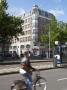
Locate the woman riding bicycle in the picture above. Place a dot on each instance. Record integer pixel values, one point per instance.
(26, 68)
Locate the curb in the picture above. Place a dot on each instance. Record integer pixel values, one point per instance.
(17, 71)
(18, 62)
(13, 70)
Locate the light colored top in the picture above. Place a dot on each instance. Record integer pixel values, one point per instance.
(25, 61)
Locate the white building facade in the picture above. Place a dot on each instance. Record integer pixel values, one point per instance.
(32, 27)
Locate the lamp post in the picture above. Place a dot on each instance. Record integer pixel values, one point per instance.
(58, 54)
(49, 41)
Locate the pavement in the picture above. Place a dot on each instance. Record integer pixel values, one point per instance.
(14, 68)
(9, 67)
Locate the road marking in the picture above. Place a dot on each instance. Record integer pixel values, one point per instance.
(42, 84)
(61, 79)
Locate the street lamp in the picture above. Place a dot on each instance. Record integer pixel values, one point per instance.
(58, 52)
(56, 42)
(49, 41)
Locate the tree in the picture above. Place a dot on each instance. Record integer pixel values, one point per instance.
(10, 26)
(49, 28)
(62, 37)
(58, 32)
(54, 31)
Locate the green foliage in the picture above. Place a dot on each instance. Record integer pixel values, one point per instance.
(49, 28)
(62, 37)
(10, 26)
(58, 32)
(3, 7)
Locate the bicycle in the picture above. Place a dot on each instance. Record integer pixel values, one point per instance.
(39, 83)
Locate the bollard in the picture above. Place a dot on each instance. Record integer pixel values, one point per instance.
(55, 62)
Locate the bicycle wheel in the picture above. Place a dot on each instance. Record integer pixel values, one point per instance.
(40, 84)
(19, 85)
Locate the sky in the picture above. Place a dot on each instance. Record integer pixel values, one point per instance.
(56, 7)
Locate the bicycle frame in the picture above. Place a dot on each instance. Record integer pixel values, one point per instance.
(37, 80)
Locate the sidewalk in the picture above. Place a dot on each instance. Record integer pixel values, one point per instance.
(8, 69)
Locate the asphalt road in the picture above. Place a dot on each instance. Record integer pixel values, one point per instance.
(57, 79)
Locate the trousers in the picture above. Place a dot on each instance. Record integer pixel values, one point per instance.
(28, 77)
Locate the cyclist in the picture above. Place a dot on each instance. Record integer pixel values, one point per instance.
(26, 68)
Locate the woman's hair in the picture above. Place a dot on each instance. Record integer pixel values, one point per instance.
(26, 53)
(22, 55)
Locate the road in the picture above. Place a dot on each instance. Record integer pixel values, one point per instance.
(57, 79)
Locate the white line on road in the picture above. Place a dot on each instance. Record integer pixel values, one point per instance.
(45, 86)
(38, 84)
(61, 79)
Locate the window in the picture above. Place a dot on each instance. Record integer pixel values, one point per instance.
(35, 31)
(27, 46)
(26, 32)
(22, 46)
(25, 21)
(46, 14)
(21, 39)
(29, 38)
(25, 26)
(29, 32)
(22, 27)
(29, 19)
(15, 40)
(14, 47)
(10, 47)
(29, 25)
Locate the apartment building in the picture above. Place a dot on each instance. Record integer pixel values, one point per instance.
(34, 21)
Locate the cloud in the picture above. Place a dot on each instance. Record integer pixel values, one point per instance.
(16, 11)
(57, 1)
(57, 12)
